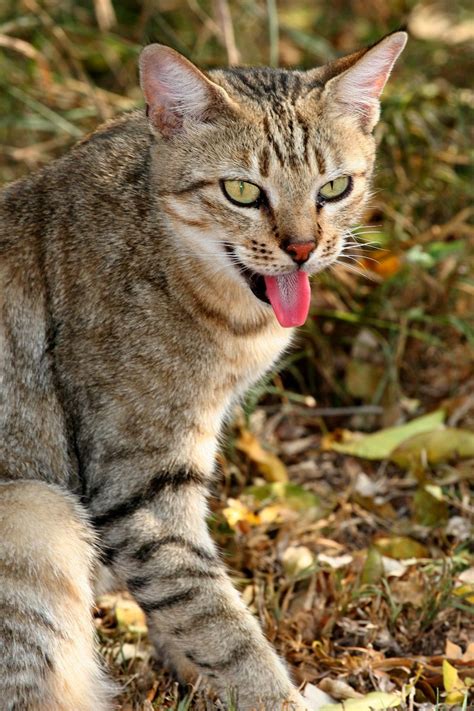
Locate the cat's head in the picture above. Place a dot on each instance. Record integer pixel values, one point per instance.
(262, 172)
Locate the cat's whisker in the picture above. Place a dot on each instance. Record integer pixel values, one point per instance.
(351, 268)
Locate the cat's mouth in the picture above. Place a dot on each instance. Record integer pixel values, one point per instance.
(255, 281)
(288, 294)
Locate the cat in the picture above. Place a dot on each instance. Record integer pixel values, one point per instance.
(148, 279)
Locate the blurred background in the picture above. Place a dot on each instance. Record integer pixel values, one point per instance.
(389, 340)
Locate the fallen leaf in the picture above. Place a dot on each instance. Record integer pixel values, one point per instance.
(428, 508)
(130, 616)
(393, 568)
(128, 651)
(339, 689)
(400, 547)
(373, 570)
(297, 559)
(455, 688)
(335, 561)
(468, 655)
(317, 698)
(363, 379)
(237, 512)
(268, 464)
(467, 576)
(383, 263)
(440, 445)
(372, 702)
(292, 496)
(453, 651)
(466, 592)
(380, 445)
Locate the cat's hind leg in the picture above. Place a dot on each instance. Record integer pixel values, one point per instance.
(48, 662)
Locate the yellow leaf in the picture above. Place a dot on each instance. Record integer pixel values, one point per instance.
(270, 514)
(130, 616)
(466, 592)
(455, 688)
(268, 464)
(236, 511)
(371, 702)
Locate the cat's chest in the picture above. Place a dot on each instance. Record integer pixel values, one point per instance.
(246, 360)
(239, 364)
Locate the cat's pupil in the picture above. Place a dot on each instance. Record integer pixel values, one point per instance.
(241, 187)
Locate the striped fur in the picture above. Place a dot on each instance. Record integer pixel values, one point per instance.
(127, 333)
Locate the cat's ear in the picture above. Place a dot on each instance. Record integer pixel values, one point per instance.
(357, 89)
(175, 90)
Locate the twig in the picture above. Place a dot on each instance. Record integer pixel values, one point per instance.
(63, 40)
(342, 411)
(105, 14)
(27, 50)
(273, 31)
(225, 22)
(56, 119)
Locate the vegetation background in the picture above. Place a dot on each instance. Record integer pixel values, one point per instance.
(360, 569)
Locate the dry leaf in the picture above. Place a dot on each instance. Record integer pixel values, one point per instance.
(268, 464)
(335, 561)
(237, 512)
(452, 651)
(400, 547)
(297, 560)
(128, 651)
(339, 689)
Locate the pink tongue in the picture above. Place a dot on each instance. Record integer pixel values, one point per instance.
(289, 295)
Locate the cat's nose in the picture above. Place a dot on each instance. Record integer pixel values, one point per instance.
(299, 251)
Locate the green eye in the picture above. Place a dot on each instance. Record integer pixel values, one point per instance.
(335, 188)
(241, 192)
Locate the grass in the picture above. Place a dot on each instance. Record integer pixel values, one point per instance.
(384, 344)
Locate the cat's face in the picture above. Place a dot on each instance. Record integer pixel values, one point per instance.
(266, 184)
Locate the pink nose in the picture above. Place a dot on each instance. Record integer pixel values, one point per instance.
(300, 251)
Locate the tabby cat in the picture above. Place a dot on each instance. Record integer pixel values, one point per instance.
(148, 278)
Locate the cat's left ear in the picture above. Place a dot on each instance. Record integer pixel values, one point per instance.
(357, 90)
(177, 92)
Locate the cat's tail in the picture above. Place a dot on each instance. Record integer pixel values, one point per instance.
(47, 556)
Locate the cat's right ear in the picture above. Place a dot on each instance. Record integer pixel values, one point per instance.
(176, 91)
(356, 91)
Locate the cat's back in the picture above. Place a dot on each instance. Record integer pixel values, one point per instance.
(109, 166)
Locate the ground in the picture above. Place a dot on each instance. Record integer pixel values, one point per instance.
(356, 554)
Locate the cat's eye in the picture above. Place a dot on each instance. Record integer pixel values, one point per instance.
(241, 192)
(335, 189)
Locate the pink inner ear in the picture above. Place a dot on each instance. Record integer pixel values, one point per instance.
(364, 81)
(173, 88)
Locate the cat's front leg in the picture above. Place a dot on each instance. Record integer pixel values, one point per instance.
(158, 544)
